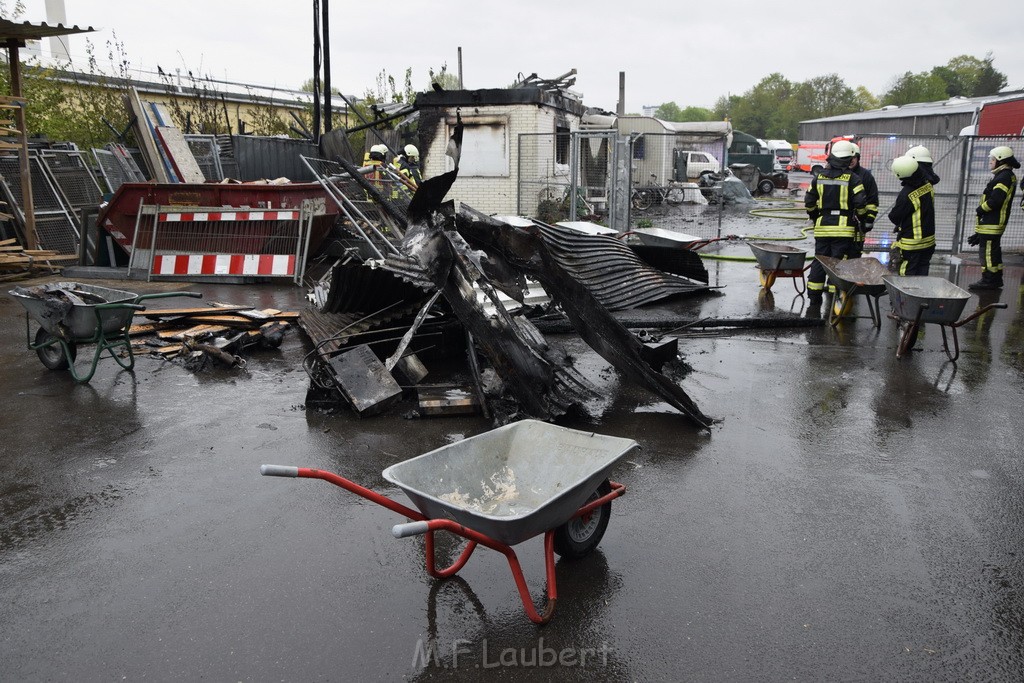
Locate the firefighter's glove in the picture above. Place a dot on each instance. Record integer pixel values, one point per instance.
(979, 212)
(867, 225)
(974, 240)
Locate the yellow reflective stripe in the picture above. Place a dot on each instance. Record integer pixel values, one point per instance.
(990, 229)
(815, 286)
(903, 267)
(912, 244)
(833, 231)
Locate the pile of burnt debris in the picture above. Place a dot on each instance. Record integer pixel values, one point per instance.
(428, 282)
(215, 334)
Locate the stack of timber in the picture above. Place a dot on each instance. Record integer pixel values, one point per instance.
(16, 262)
(220, 331)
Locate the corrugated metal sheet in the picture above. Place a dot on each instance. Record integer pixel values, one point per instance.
(259, 157)
(26, 30)
(611, 271)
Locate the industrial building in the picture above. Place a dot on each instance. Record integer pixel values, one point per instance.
(1001, 114)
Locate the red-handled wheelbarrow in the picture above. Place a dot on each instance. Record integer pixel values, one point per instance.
(500, 488)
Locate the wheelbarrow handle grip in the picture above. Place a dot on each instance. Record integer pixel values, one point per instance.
(165, 295)
(279, 471)
(105, 307)
(410, 529)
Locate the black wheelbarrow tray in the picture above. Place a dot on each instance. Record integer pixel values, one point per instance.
(73, 313)
(503, 487)
(865, 275)
(919, 299)
(780, 260)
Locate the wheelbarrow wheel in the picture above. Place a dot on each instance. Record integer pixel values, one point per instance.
(580, 535)
(52, 354)
(842, 303)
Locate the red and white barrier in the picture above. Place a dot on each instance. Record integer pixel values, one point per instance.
(215, 242)
(267, 265)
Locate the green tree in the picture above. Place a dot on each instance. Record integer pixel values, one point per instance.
(443, 78)
(969, 76)
(668, 111)
(910, 87)
(724, 106)
(696, 114)
(865, 100)
(757, 111)
(68, 105)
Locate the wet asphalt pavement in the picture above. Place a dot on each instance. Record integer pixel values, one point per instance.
(852, 517)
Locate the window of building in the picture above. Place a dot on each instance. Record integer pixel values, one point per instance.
(639, 151)
(485, 147)
(561, 144)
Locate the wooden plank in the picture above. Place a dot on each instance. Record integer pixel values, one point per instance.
(169, 350)
(196, 331)
(144, 136)
(185, 312)
(9, 240)
(148, 328)
(229, 320)
(179, 154)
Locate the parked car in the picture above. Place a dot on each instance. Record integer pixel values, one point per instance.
(697, 164)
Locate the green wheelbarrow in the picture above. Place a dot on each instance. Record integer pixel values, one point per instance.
(71, 313)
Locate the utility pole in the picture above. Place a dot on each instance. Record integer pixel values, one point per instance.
(325, 23)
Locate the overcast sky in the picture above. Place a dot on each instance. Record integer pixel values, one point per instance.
(686, 52)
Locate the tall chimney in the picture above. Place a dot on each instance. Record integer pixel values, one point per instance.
(55, 14)
(621, 108)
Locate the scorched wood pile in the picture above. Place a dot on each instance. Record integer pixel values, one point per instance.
(218, 331)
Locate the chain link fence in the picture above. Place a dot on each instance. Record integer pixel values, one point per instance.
(619, 180)
(962, 166)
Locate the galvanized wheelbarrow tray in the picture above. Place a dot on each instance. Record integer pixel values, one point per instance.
(73, 313)
(780, 260)
(865, 275)
(503, 487)
(920, 299)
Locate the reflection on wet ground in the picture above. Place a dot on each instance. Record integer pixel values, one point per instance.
(847, 503)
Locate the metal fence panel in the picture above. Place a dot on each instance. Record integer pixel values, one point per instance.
(877, 153)
(56, 228)
(217, 242)
(259, 157)
(978, 176)
(962, 166)
(593, 172)
(207, 153)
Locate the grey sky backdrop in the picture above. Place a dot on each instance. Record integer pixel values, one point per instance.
(690, 53)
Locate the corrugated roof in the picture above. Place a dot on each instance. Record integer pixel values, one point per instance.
(954, 105)
(26, 30)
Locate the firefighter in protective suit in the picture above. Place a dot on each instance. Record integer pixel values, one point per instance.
(836, 202)
(373, 167)
(913, 217)
(923, 157)
(408, 165)
(993, 213)
(871, 211)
